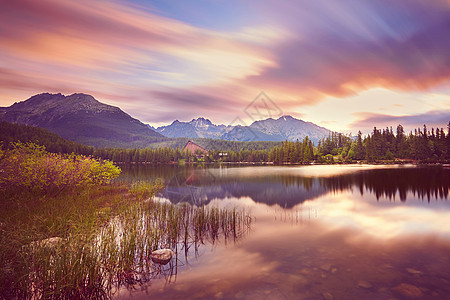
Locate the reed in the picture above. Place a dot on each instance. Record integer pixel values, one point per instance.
(100, 239)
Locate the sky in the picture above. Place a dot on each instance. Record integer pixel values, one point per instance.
(347, 65)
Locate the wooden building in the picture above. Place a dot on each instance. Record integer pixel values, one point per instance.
(195, 149)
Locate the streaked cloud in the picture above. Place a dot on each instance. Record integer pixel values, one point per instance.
(351, 46)
(346, 113)
(111, 40)
(161, 61)
(433, 119)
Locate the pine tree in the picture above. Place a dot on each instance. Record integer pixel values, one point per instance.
(359, 151)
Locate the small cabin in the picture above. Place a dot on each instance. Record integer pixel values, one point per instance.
(195, 149)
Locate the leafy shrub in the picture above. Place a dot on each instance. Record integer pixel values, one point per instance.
(30, 168)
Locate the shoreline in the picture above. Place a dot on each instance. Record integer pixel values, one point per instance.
(405, 162)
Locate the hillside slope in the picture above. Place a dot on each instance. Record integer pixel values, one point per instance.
(81, 118)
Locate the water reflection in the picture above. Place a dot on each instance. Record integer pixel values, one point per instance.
(320, 233)
(289, 186)
(281, 261)
(424, 183)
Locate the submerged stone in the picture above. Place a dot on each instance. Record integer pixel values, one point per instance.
(408, 290)
(325, 267)
(364, 284)
(239, 295)
(413, 271)
(161, 256)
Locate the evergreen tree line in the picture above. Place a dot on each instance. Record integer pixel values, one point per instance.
(11, 133)
(421, 144)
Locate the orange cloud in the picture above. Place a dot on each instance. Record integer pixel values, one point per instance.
(299, 54)
(96, 35)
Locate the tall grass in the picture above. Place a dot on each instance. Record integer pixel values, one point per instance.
(26, 223)
(106, 235)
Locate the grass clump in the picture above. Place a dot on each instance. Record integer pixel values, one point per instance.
(74, 248)
(66, 232)
(124, 245)
(32, 265)
(145, 189)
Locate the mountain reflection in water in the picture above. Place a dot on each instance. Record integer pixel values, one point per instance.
(320, 232)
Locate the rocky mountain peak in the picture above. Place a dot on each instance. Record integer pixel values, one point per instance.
(200, 122)
(283, 128)
(78, 117)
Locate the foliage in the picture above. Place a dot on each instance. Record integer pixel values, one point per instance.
(293, 152)
(30, 168)
(431, 146)
(31, 218)
(421, 145)
(11, 133)
(144, 189)
(86, 245)
(215, 144)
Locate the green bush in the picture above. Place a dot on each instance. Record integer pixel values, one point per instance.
(30, 168)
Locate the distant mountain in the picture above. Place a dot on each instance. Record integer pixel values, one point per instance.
(245, 134)
(283, 128)
(81, 118)
(289, 128)
(196, 128)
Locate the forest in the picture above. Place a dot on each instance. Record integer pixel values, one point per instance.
(381, 145)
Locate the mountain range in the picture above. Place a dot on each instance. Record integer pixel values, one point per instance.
(82, 118)
(281, 129)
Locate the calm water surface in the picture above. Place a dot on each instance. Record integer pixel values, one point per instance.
(319, 232)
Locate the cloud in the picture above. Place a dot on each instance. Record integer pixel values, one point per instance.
(223, 104)
(438, 119)
(358, 46)
(159, 68)
(124, 45)
(96, 32)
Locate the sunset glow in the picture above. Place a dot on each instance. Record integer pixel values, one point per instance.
(346, 65)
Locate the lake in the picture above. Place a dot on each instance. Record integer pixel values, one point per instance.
(318, 232)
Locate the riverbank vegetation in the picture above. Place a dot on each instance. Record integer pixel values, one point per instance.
(68, 232)
(386, 145)
(29, 168)
(422, 145)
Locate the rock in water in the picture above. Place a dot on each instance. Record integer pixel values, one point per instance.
(162, 256)
(364, 284)
(413, 271)
(408, 290)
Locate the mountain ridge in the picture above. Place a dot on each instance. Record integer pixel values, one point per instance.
(82, 118)
(281, 129)
(79, 117)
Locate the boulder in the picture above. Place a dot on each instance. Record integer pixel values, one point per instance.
(413, 271)
(408, 290)
(364, 284)
(162, 256)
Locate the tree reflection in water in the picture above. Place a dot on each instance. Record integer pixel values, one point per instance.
(200, 186)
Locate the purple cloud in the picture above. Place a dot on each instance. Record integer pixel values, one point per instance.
(433, 119)
(359, 45)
